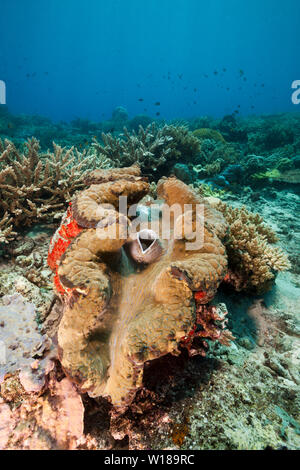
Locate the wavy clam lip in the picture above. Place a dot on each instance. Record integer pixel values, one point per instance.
(146, 248)
(124, 309)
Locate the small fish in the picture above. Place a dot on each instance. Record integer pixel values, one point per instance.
(262, 85)
(157, 103)
(141, 99)
(180, 76)
(10, 125)
(195, 89)
(158, 113)
(195, 102)
(215, 72)
(241, 72)
(224, 70)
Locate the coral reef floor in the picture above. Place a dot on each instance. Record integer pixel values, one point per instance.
(241, 397)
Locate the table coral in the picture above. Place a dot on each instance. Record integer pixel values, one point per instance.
(117, 314)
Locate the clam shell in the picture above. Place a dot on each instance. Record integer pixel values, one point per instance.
(146, 248)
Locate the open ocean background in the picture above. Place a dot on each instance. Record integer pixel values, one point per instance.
(68, 58)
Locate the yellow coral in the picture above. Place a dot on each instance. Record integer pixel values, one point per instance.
(250, 248)
(35, 186)
(206, 133)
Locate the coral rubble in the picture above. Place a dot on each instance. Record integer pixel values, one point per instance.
(53, 421)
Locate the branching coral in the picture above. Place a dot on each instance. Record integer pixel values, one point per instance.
(35, 186)
(214, 156)
(117, 316)
(253, 258)
(214, 168)
(205, 190)
(6, 229)
(148, 148)
(153, 148)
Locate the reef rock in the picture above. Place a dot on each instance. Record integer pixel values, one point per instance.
(21, 344)
(53, 421)
(6, 424)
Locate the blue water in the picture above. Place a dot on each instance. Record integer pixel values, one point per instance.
(68, 58)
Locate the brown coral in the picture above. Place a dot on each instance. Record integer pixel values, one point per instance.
(254, 260)
(153, 148)
(6, 229)
(116, 316)
(35, 186)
